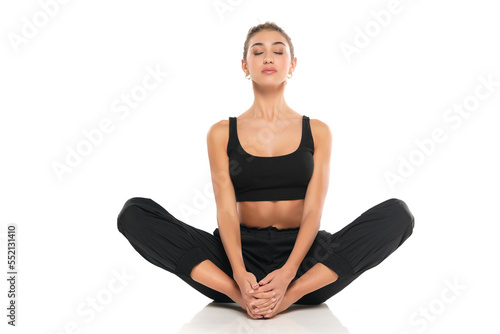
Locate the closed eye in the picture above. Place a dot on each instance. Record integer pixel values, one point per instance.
(279, 53)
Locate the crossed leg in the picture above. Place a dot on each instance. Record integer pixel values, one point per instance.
(198, 258)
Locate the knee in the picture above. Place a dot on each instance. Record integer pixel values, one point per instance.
(401, 214)
(130, 215)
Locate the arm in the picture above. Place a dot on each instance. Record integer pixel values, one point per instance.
(227, 214)
(279, 279)
(315, 198)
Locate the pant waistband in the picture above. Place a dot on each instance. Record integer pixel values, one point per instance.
(268, 228)
(268, 232)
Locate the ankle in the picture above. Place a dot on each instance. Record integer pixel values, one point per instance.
(234, 293)
(294, 291)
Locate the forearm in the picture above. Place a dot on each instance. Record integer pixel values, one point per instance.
(307, 233)
(229, 230)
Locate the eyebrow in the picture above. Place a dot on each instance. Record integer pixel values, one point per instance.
(263, 44)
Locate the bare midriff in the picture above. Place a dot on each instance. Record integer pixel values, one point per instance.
(280, 214)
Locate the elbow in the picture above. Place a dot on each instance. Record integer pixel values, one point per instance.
(311, 218)
(312, 214)
(227, 216)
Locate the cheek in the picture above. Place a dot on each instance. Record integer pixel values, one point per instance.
(255, 62)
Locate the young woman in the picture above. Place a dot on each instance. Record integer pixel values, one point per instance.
(270, 173)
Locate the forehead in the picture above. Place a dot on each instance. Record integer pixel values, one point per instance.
(267, 37)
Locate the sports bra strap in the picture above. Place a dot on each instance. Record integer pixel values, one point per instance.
(308, 138)
(232, 142)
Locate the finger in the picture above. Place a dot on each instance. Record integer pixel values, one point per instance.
(250, 301)
(266, 279)
(267, 311)
(259, 302)
(267, 305)
(264, 288)
(252, 281)
(253, 287)
(258, 312)
(265, 295)
(254, 315)
(269, 315)
(272, 312)
(253, 284)
(272, 304)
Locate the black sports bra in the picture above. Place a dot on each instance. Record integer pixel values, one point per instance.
(283, 177)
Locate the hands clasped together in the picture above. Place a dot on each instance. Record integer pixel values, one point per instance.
(266, 298)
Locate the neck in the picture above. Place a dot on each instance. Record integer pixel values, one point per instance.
(269, 103)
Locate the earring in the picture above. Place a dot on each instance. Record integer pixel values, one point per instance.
(290, 75)
(247, 76)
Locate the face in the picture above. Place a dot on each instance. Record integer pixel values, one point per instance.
(268, 48)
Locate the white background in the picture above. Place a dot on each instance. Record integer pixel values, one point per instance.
(64, 78)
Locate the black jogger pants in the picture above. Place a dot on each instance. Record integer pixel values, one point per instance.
(177, 247)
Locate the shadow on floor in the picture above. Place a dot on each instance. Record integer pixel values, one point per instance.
(231, 318)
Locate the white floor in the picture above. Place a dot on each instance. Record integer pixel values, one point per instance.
(230, 318)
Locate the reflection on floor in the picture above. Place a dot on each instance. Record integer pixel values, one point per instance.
(231, 318)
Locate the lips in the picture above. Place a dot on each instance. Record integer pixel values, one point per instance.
(268, 70)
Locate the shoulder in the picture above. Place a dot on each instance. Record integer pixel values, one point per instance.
(218, 133)
(218, 127)
(321, 132)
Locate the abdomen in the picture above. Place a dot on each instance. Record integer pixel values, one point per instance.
(280, 214)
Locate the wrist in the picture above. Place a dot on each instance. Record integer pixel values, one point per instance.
(289, 270)
(240, 272)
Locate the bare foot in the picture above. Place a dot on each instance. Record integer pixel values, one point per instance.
(289, 298)
(238, 299)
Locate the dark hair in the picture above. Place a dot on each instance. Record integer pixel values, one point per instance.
(266, 26)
